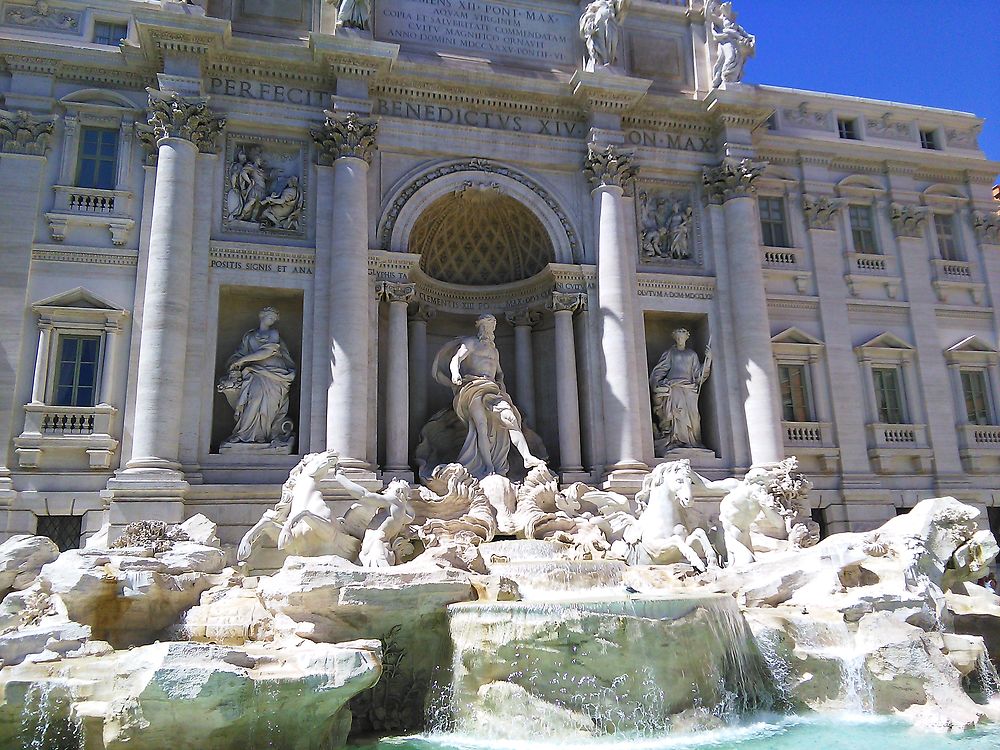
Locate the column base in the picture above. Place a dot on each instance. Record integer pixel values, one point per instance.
(7, 492)
(625, 480)
(144, 495)
(333, 492)
(406, 474)
(573, 474)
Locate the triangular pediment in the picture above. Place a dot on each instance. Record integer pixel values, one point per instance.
(795, 335)
(78, 298)
(972, 344)
(886, 341)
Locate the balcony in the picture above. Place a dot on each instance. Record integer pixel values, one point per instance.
(872, 270)
(979, 446)
(812, 439)
(899, 448)
(785, 268)
(78, 206)
(65, 433)
(956, 282)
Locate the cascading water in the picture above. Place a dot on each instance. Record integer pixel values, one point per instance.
(601, 665)
(831, 639)
(45, 722)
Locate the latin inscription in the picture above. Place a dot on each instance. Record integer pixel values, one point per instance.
(479, 119)
(675, 141)
(255, 267)
(481, 28)
(268, 92)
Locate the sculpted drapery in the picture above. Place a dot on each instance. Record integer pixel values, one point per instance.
(675, 386)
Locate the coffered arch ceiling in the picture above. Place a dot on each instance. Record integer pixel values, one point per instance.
(479, 236)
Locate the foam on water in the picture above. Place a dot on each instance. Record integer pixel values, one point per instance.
(844, 731)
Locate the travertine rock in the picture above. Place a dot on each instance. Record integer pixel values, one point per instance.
(189, 695)
(21, 557)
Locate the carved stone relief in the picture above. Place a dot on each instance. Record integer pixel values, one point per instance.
(803, 117)
(962, 138)
(821, 212)
(42, 16)
(21, 133)
(987, 226)
(885, 127)
(265, 184)
(908, 221)
(666, 227)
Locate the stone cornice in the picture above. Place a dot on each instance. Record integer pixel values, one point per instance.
(607, 92)
(345, 136)
(353, 57)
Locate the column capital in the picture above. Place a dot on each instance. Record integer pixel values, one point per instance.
(422, 312)
(23, 133)
(567, 302)
(821, 211)
(344, 136)
(908, 221)
(520, 318)
(987, 226)
(392, 291)
(171, 115)
(610, 167)
(732, 178)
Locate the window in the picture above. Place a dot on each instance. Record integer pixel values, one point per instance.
(772, 122)
(863, 229)
(847, 129)
(976, 395)
(98, 158)
(819, 517)
(772, 222)
(65, 531)
(77, 370)
(796, 406)
(888, 395)
(928, 140)
(944, 227)
(109, 33)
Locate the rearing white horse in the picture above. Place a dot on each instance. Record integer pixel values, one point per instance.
(665, 531)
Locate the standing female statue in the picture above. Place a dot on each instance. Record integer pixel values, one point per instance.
(600, 29)
(259, 376)
(675, 385)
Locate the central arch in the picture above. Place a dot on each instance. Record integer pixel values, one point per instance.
(478, 236)
(476, 179)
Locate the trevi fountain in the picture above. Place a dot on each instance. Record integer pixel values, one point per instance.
(485, 601)
(487, 611)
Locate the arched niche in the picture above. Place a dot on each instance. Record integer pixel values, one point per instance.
(422, 190)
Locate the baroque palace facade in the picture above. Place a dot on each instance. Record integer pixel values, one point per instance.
(236, 234)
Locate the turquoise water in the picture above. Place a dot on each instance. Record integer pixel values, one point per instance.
(778, 733)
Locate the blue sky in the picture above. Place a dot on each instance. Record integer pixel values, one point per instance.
(938, 53)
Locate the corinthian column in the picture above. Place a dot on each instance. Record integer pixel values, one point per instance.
(524, 364)
(348, 142)
(397, 407)
(177, 128)
(731, 183)
(563, 306)
(612, 173)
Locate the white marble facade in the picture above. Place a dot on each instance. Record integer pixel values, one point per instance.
(381, 184)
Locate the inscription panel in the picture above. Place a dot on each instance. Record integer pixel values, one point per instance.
(477, 28)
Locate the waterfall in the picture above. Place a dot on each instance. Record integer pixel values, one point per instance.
(832, 640)
(989, 680)
(45, 722)
(600, 666)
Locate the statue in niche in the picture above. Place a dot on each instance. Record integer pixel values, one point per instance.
(354, 14)
(675, 385)
(481, 409)
(600, 29)
(255, 195)
(256, 385)
(667, 229)
(735, 44)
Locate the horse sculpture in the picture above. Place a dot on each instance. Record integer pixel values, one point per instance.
(668, 528)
